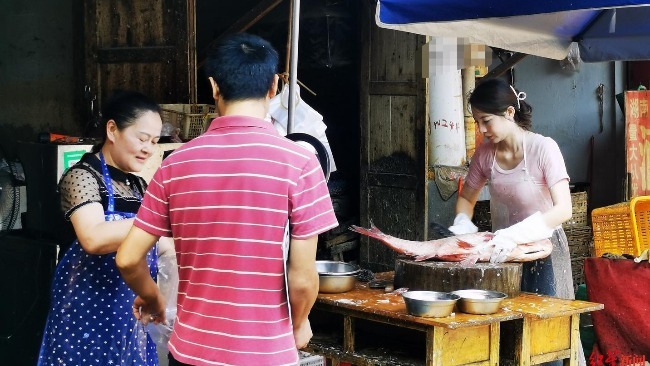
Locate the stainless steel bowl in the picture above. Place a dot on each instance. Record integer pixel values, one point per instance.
(430, 304)
(479, 301)
(336, 277)
(336, 284)
(336, 268)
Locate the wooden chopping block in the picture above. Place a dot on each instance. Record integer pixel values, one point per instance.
(451, 276)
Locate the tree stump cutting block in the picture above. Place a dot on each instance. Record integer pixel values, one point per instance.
(451, 276)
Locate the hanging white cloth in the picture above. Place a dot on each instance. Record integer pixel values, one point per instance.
(306, 120)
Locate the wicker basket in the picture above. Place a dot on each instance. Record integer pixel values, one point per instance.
(483, 220)
(192, 119)
(580, 241)
(578, 272)
(579, 206)
(580, 247)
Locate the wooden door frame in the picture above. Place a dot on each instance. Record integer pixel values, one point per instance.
(416, 88)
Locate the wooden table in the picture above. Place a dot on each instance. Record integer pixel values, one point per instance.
(548, 331)
(370, 327)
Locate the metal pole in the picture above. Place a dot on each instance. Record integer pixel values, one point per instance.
(287, 56)
(293, 69)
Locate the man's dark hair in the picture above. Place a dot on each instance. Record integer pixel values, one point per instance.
(243, 66)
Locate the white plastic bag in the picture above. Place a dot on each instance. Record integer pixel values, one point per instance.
(134, 351)
(168, 284)
(306, 119)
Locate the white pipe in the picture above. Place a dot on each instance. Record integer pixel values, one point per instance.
(447, 125)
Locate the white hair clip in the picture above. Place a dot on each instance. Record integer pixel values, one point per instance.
(519, 96)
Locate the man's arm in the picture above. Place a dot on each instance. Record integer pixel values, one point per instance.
(303, 286)
(132, 263)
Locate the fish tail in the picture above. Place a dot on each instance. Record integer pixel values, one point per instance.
(368, 232)
(359, 229)
(391, 241)
(373, 231)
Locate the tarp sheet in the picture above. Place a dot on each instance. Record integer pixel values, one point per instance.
(603, 30)
(622, 328)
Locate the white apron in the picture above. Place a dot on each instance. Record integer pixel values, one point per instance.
(514, 195)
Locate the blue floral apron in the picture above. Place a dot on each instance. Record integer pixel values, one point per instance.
(90, 320)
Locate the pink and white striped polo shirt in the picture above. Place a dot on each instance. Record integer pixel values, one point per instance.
(225, 197)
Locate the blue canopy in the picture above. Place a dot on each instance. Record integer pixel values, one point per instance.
(603, 30)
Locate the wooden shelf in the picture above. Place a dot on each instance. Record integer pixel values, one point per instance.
(385, 356)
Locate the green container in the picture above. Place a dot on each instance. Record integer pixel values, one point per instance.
(587, 338)
(581, 292)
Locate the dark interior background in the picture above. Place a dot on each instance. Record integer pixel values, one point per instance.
(327, 63)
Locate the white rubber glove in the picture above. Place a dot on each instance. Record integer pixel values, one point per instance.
(463, 225)
(503, 246)
(531, 229)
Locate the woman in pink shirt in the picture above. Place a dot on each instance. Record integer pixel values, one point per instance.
(529, 187)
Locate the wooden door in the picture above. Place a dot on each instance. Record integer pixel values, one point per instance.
(141, 45)
(393, 138)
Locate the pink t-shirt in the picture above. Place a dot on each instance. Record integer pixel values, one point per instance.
(545, 166)
(225, 197)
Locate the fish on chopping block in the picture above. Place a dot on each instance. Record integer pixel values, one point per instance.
(467, 248)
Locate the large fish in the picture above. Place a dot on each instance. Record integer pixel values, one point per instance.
(467, 248)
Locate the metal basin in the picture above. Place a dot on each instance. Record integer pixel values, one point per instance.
(430, 304)
(336, 268)
(336, 277)
(479, 301)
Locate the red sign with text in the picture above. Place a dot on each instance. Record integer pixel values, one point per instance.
(637, 141)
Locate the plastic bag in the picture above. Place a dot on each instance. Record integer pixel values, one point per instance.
(172, 132)
(306, 119)
(168, 284)
(573, 61)
(135, 350)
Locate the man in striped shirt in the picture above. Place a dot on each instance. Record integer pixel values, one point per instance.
(227, 198)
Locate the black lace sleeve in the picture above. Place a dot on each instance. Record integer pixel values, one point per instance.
(78, 187)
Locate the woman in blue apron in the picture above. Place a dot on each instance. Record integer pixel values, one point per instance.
(528, 184)
(90, 320)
